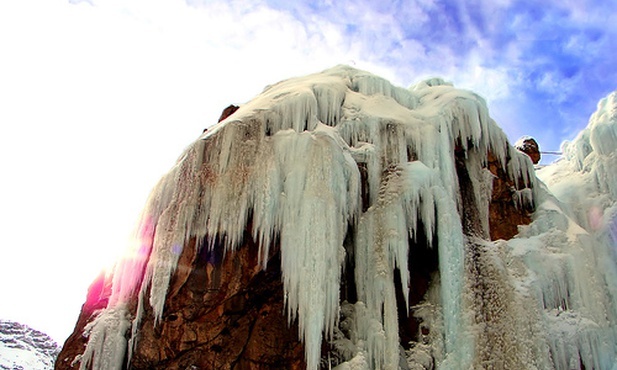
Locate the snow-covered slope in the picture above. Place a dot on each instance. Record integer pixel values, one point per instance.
(582, 241)
(23, 348)
(585, 180)
(289, 163)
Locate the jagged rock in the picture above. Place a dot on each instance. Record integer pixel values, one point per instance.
(228, 112)
(529, 146)
(223, 312)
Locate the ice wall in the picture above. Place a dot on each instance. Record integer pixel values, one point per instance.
(288, 162)
(575, 234)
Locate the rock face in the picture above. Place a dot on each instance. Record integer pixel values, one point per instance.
(507, 210)
(22, 347)
(221, 313)
(337, 221)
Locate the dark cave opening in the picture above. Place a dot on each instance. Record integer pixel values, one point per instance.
(423, 262)
(348, 278)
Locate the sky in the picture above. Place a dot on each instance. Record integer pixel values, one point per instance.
(98, 98)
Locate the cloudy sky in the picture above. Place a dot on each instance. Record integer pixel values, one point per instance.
(99, 97)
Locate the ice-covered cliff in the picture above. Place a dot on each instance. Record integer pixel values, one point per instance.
(380, 207)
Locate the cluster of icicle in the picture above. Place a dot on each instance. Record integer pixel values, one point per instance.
(288, 161)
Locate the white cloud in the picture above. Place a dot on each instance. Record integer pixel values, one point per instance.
(99, 98)
(490, 83)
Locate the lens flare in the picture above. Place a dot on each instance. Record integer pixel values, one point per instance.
(594, 218)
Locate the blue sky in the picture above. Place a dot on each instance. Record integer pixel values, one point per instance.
(541, 65)
(99, 97)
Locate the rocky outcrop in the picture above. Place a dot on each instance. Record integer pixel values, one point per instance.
(507, 211)
(228, 112)
(529, 146)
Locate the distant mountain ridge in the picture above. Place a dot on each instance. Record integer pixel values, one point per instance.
(24, 348)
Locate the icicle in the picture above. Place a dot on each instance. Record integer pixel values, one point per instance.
(523, 198)
(458, 348)
(368, 84)
(107, 343)
(321, 191)
(330, 99)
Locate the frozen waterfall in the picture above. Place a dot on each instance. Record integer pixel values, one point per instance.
(342, 168)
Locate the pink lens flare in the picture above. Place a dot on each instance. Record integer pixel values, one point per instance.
(594, 218)
(130, 271)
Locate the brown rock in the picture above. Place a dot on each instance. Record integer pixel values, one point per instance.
(504, 214)
(226, 313)
(231, 109)
(529, 146)
(228, 112)
(220, 313)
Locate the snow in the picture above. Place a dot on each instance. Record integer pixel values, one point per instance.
(28, 359)
(288, 162)
(22, 347)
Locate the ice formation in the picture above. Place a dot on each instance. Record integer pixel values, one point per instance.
(342, 165)
(578, 281)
